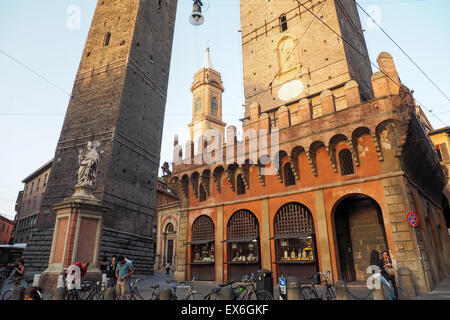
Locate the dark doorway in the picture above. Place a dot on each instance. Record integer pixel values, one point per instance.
(359, 230)
(170, 251)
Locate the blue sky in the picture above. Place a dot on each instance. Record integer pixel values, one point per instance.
(36, 33)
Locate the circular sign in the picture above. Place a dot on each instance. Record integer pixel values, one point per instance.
(412, 218)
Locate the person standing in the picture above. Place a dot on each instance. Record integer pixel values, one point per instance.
(168, 266)
(83, 267)
(375, 263)
(388, 272)
(111, 272)
(19, 272)
(124, 271)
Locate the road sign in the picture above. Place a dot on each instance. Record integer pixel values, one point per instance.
(412, 219)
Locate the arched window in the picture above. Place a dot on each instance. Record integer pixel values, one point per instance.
(170, 228)
(198, 105)
(346, 162)
(107, 39)
(289, 177)
(240, 185)
(202, 196)
(214, 106)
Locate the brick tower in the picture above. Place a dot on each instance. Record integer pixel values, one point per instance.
(118, 100)
(289, 54)
(207, 90)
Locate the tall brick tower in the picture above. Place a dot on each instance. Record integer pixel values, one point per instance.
(118, 99)
(289, 54)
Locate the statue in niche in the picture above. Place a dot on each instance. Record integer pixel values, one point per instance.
(88, 162)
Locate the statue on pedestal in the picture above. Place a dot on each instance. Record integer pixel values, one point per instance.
(87, 172)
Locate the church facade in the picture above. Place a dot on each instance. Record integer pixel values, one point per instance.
(333, 157)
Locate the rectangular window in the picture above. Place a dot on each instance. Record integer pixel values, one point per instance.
(45, 180)
(38, 183)
(283, 23)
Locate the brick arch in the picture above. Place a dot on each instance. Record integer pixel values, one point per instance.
(165, 222)
(202, 228)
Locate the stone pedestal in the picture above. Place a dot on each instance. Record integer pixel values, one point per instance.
(408, 290)
(76, 236)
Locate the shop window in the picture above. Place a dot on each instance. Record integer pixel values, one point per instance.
(240, 185)
(346, 162)
(202, 244)
(295, 241)
(289, 177)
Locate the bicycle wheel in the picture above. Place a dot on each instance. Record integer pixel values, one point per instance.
(261, 295)
(7, 295)
(213, 296)
(308, 293)
(195, 295)
(331, 292)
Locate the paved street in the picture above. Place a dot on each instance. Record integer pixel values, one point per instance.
(441, 292)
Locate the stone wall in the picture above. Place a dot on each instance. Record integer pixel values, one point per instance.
(138, 249)
(366, 233)
(37, 252)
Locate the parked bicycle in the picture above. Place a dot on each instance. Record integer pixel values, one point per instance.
(191, 294)
(34, 294)
(242, 291)
(155, 294)
(309, 292)
(134, 291)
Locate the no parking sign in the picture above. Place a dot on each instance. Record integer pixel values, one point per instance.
(412, 219)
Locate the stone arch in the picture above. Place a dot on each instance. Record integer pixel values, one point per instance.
(311, 155)
(334, 141)
(352, 216)
(388, 136)
(194, 179)
(277, 161)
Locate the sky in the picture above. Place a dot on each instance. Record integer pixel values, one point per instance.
(46, 37)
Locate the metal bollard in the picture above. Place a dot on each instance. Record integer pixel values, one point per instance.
(110, 294)
(292, 288)
(104, 281)
(341, 290)
(59, 293)
(60, 282)
(165, 294)
(406, 283)
(36, 279)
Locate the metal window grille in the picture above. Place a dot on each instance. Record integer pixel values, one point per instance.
(203, 229)
(243, 224)
(346, 162)
(293, 218)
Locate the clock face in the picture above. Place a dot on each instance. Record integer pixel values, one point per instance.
(290, 90)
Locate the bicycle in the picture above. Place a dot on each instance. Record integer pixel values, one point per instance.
(191, 294)
(92, 292)
(8, 293)
(309, 292)
(242, 291)
(134, 292)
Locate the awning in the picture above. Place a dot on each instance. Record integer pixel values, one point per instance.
(200, 241)
(292, 236)
(240, 240)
